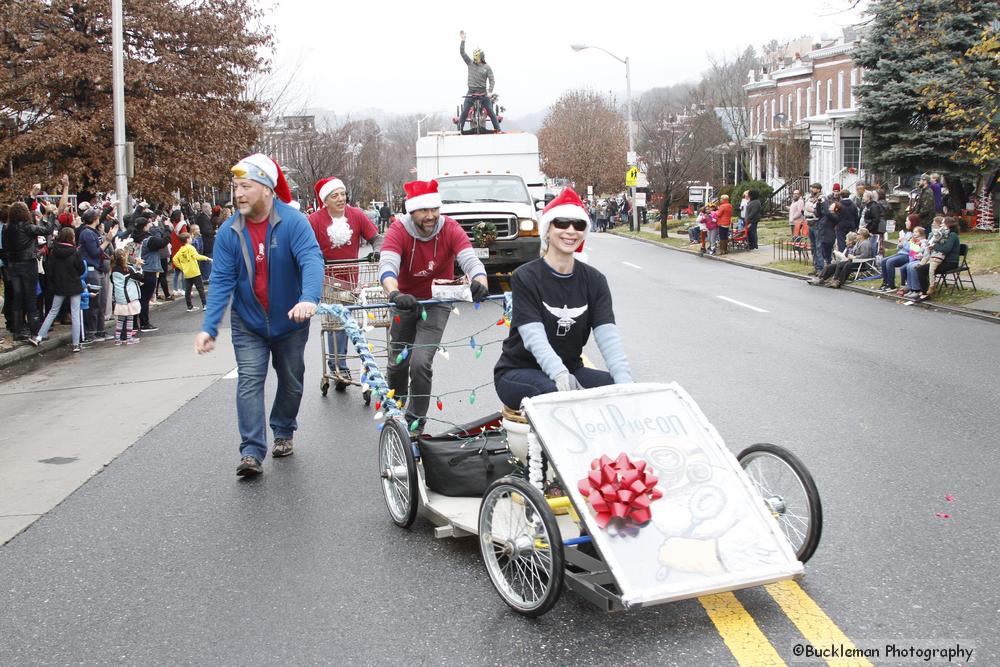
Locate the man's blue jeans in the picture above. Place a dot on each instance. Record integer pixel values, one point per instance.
(814, 244)
(287, 355)
(343, 347)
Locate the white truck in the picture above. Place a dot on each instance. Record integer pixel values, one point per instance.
(492, 178)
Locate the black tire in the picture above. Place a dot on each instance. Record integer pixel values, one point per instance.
(367, 396)
(794, 503)
(534, 542)
(398, 471)
(324, 386)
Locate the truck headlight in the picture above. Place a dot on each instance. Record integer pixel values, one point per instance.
(527, 225)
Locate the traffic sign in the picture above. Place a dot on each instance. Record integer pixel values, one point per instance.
(631, 157)
(631, 177)
(640, 199)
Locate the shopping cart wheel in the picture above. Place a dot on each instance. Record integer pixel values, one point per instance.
(340, 385)
(367, 395)
(521, 546)
(789, 492)
(398, 470)
(324, 386)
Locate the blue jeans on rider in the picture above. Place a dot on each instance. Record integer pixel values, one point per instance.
(467, 105)
(253, 352)
(519, 383)
(340, 361)
(889, 266)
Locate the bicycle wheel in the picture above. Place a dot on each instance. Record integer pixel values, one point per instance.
(398, 470)
(521, 546)
(789, 492)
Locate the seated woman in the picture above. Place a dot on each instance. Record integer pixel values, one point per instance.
(557, 302)
(919, 277)
(859, 247)
(902, 256)
(915, 252)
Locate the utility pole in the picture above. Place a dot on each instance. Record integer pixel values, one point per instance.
(118, 96)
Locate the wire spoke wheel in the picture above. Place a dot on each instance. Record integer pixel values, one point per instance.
(789, 492)
(521, 546)
(398, 471)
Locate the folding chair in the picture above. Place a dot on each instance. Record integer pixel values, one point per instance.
(957, 282)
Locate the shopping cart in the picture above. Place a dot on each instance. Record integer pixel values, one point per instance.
(350, 282)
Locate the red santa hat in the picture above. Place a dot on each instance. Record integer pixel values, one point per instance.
(325, 186)
(262, 169)
(421, 194)
(566, 205)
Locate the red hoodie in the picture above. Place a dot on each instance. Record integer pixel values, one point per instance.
(423, 261)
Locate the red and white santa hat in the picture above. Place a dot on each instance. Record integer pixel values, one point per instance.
(566, 205)
(325, 186)
(262, 169)
(421, 194)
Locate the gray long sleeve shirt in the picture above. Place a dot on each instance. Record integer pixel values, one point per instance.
(479, 75)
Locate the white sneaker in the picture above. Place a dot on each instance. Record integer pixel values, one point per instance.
(193, 308)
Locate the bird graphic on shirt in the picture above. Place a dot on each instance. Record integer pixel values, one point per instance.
(565, 317)
(260, 252)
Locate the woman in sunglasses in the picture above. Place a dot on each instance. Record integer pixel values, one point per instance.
(557, 301)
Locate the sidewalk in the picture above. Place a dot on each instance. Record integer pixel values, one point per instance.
(987, 308)
(61, 335)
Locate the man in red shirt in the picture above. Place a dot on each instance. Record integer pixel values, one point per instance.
(339, 229)
(421, 247)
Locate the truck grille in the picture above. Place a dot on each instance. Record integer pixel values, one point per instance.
(506, 224)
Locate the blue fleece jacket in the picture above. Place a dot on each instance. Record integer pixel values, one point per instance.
(294, 273)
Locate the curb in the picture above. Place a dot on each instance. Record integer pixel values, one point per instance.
(928, 305)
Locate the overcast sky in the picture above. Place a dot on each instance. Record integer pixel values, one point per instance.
(403, 56)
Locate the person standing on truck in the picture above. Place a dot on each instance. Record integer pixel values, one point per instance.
(480, 83)
(422, 247)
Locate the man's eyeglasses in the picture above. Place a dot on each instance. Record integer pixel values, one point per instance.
(564, 223)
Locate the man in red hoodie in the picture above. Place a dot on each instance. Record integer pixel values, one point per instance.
(339, 229)
(422, 247)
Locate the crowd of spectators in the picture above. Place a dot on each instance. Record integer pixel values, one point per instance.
(75, 265)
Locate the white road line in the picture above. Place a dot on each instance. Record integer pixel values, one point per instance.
(232, 375)
(740, 303)
(634, 266)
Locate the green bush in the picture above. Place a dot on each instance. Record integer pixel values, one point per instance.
(735, 192)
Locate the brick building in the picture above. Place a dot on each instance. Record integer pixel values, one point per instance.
(803, 102)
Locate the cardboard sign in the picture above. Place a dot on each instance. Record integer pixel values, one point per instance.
(709, 532)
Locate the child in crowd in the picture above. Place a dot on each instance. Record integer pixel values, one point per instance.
(186, 260)
(63, 271)
(915, 250)
(859, 247)
(125, 282)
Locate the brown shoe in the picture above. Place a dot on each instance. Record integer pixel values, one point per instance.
(282, 447)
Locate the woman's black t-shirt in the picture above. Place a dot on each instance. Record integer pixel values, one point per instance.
(568, 306)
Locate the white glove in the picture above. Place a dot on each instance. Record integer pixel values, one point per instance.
(566, 381)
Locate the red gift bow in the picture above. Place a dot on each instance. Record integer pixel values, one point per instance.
(620, 488)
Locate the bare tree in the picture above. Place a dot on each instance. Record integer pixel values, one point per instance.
(674, 138)
(584, 139)
(721, 88)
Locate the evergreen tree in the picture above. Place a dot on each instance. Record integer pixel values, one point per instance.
(913, 51)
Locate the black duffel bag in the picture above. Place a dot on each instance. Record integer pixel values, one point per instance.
(464, 466)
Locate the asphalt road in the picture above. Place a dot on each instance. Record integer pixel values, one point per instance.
(166, 558)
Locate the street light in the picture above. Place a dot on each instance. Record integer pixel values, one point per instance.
(419, 122)
(628, 104)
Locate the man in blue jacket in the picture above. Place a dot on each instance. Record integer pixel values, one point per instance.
(267, 261)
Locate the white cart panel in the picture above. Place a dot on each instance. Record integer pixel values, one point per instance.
(710, 532)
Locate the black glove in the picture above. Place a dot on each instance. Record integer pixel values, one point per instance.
(372, 257)
(479, 291)
(403, 301)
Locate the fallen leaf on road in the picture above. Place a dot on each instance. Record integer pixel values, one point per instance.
(950, 499)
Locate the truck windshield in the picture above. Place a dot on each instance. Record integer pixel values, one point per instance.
(472, 189)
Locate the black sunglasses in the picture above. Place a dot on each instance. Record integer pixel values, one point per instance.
(564, 223)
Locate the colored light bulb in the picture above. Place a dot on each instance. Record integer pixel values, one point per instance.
(472, 398)
(440, 405)
(479, 352)
(472, 342)
(423, 314)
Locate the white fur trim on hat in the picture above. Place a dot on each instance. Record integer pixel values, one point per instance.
(429, 200)
(569, 211)
(329, 187)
